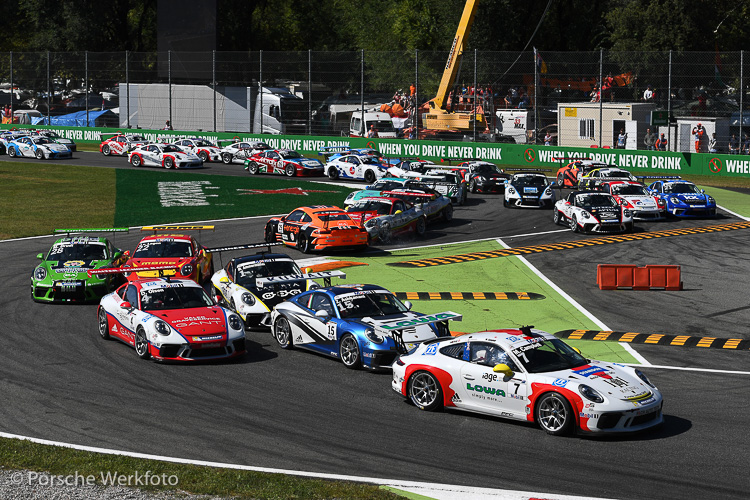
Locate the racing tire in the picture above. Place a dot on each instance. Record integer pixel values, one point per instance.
(557, 217)
(252, 168)
(385, 233)
(103, 324)
(135, 160)
(424, 391)
(421, 227)
(333, 173)
(448, 213)
(39, 154)
(349, 352)
(303, 244)
(226, 158)
(290, 171)
(554, 414)
(141, 344)
(282, 332)
(12, 152)
(168, 163)
(269, 234)
(106, 151)
(561, 180)
(369, 176)
(473, 186)
(203, 156)
(506, 203)
(574, 224)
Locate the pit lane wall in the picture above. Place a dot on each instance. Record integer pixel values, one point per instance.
(504, 155)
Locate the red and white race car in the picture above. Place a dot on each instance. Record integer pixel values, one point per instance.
(171, 320)
(239, 151)
(163, 155)
(283, 162)
(185, 257)
(205, 150)
(636, 197)
(120, 144)
(385, 218)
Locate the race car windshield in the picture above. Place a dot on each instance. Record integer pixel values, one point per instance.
(615, 173)
(486, 169)
(595, 200)
(150, 249)
(369, 160)
(136, 138)
(530, 180)
(68, 251)
(203, 143)
(681, 187)
(335, 216)
(290, 154)
(385, 185)
(174, 298)
(382, 208)
(42, 140)
(247, 273)
(548, 355)
(368, 304)
(169, 148)
(625, 189)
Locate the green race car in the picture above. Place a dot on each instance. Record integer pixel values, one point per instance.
(62, 276)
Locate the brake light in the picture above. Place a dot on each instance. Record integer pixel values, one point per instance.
(323, 231)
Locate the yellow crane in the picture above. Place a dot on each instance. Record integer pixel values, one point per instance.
(438, 117)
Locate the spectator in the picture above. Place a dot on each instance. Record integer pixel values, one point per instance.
(508, 100)
(650, 140)
(622, 139)
(373, 132)
(734, 145)
(548, 139)
(698, 132)
(712, 143)
(167, 126)
(746, 145)
(649, 94)
(661, 143)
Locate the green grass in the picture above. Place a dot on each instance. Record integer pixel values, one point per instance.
(22, 454)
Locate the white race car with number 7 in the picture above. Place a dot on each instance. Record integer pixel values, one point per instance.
(528, 375)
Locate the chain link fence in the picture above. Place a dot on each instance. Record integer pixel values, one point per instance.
(221, 91)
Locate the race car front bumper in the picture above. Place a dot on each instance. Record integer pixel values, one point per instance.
(73, 291)
(190, 352)
(190, 164)
(531, 202)
(491, 186)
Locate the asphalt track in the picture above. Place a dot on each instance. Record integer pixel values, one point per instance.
(295, 410)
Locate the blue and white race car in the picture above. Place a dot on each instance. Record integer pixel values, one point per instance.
(335, 152)
(357, 167)
(40, 148)
(363, 325)
(529, 189)
(382, 185)
(684, 199)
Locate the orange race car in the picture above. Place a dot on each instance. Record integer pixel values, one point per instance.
(569, 175)
(317, 227)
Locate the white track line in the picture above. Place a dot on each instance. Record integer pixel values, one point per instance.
(733, 213)
(578, 306)
(436, 490)
(691, 369)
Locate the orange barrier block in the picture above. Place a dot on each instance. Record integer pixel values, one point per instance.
(614, 276)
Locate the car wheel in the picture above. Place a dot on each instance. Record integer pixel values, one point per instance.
(12, 152)
(135, 160)
(105, 150)
(141, 344)
(385, 235)
(333, 173)
(303, 244)
(39, 154)
(252, 168)
(557, 217)
(369, 176)
(349, 351)
(203, 156)
(574, 224)
(168, 163)
(561, 180)
(290, 171)
(506, 203)
(421, 226)
(282, 332)
(226, 158)
(473, 186)
(269, 234)
(554, 414)
(424, 391)
(448, 213)
(103, 324)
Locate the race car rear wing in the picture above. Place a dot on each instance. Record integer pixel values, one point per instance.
(156, 229)
(451, 160)
(125, 270)
(659, 177)
(93, 230)
(396, 329)
(244, 247)
(324, 275)
(412, 194)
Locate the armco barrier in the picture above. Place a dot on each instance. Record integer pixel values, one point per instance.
(614, 276)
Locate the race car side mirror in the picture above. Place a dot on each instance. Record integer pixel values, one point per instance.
(224, 280)
(322, 314)
(703, 191)
(408, 305)
(126, 305)
(127, 253)
(504, 369)
(576, 349)
(398, 212)
(40, 256)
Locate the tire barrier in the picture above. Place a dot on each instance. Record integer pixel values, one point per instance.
(655, 339)
(651, 277)
(469, 296)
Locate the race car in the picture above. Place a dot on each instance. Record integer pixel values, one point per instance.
(381, 185)
(569, 175)
(592, 211)
(205, 150)
(318, 227)
(356, 167)
(596, 176)
(334, 152)
(528, 375)
(170, 320)
(62, 274)
(635, 197)
(181, 255)
(362, 325)
(483, 177)
(55, 137)
(239, 151)
(398, 166)
(8, 135)
(449, 183)
(385, 218)
(529, 189)
(163, 155)
(434, 205)
(40, 148)
(283, 162)
(247, 285)
(121, 144)
(683, 198)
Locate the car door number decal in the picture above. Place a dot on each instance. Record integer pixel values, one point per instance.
(331, 334)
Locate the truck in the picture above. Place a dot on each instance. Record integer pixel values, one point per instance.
(381, 121)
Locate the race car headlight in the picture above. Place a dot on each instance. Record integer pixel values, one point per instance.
(675, 200)
(590, 393)
(40, 273)
(627, 213)
(187, 270)
(643, 377)
(481, 179)
(314, 286)
(585, 215)
(234, 322)
(350, 195)
(372, 223)
(548, 192)
(710, 200)
(373, 337)
(511, 190)
(161, 327)
(247, 298)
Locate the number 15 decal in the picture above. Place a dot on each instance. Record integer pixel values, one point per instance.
(332, 330)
